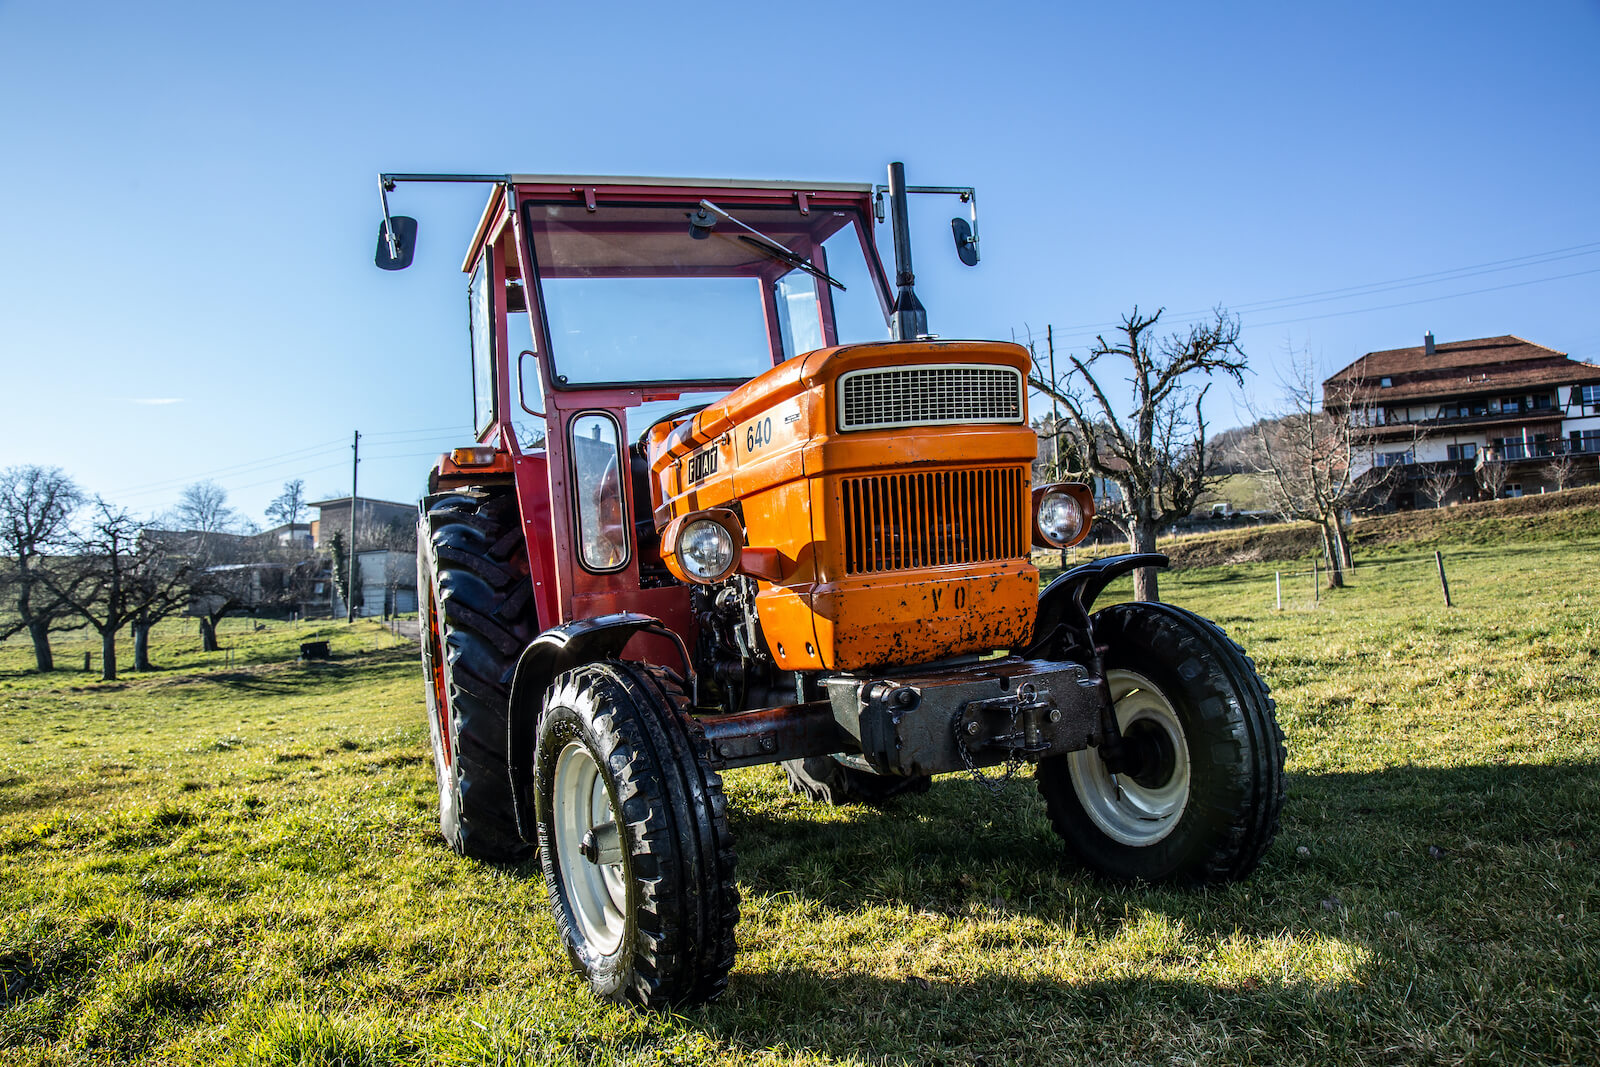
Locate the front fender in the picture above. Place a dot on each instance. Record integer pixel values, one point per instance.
(1072, 594)
(558, 649)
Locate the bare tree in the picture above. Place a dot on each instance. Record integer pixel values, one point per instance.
(36, 509)
(203, 513)
(161, 584)
(203, 508)
(1438, 483)
(1561, 470)
(103, 584)
(1156, 452)
(399, 542)
(1311, 453)
(1492, 474)
(289, 505)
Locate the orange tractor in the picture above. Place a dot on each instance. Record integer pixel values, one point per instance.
(729, 504)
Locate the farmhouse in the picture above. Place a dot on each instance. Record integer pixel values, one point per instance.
(371, 516)
(1503, 415)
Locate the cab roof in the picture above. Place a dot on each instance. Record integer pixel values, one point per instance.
(592, 184)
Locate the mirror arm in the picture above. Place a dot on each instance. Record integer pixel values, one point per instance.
(967, 193)
(385, 183)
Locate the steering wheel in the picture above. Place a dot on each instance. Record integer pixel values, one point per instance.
(671, 416)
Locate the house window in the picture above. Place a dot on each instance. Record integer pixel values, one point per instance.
(1590, 395)
(1395, 459)
(1514, 489)
(1384, 383)
(1467, 451)
(1511, 447)
(1586, 441)
(1539, 402)
(1511, 405)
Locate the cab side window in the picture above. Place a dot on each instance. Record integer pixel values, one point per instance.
(480, 322)
(597, 479)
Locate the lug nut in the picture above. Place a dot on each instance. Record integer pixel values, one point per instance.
(1055, 715)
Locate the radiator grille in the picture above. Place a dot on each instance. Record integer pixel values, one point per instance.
(921, 396)
(935, 518)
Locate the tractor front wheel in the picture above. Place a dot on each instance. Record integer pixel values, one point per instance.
(1198, 796)
(634, 838)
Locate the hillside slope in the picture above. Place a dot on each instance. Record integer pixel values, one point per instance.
(1571, 514)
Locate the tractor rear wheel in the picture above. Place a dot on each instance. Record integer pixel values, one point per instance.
(1200, 799)
(829, 780)
(476, 607)
(633, 836)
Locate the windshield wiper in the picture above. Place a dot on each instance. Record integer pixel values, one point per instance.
(775, 249)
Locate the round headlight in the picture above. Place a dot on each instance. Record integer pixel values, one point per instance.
(705, 550)
(1059, 518)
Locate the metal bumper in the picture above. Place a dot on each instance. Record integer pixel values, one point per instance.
(969, 717)
(929, 723)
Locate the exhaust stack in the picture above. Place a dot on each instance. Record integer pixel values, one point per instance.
(909, 319)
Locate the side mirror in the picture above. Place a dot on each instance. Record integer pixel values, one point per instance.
(405, 243)
(966, 244)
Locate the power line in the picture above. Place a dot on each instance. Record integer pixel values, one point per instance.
(1373, 288)
(282, 459)
(1430, 299)
(423, 430)
(236, 469)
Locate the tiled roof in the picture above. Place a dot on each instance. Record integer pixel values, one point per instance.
(1461, 368)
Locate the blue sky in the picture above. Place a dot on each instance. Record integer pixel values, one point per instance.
(188, 197)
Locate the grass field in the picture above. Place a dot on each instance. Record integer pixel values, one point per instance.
(236, 862)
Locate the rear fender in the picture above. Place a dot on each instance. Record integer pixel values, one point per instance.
(1068, 600)
(558, 649)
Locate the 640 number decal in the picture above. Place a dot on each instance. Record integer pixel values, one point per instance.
(757, 434)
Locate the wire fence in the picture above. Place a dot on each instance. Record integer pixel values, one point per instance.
(1302, 584)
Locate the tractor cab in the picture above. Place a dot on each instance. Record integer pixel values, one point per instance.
(600, 307)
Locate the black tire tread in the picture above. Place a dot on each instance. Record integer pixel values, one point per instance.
(472, 553)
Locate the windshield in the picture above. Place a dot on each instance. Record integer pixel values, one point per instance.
(630, 295)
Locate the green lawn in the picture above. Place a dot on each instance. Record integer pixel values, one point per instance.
(237, 862)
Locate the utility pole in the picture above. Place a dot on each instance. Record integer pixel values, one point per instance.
(350, 583)
(1055, 405)
(1055, 421)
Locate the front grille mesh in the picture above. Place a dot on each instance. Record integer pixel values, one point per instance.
(935, 518)
(912, 396)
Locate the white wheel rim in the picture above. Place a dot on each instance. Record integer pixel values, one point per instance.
(1125, 810)
(596, 892)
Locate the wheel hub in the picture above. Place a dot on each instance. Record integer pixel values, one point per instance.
(1141, 802)
(589, 849)
(1151, 759)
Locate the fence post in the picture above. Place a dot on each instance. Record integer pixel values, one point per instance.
(1438, 558)
(86, 665)
(1277, 577)
(1316, 582)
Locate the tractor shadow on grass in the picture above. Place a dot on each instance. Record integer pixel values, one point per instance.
(968, 897)
(1398, 840)
(1000, 1020)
